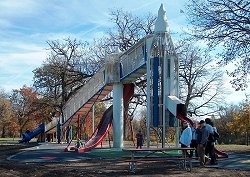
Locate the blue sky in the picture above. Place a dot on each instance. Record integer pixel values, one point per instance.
(26, 25)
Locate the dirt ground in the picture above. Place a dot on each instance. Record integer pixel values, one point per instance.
(99, 167)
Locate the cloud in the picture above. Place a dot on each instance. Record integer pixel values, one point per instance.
(16, 68)
(16, 7)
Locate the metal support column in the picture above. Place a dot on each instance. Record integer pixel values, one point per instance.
(93, 118)
(118, 115)
(148, 64)
(78, 127)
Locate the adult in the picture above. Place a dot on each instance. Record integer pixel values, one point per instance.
(202, 138)
(211, 141)
(216, 134)
(186, 136)
(194, 140)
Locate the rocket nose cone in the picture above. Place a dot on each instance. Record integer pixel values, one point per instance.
(161, 24)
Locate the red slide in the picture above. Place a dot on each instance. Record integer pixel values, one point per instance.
(219, 154)
(106, 121)
(184, 118)
(100, 132)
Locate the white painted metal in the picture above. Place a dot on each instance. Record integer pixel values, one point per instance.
(148, 117)
(164, 98)
(51, 124)
(133, 66)
(173, 102)
(161, 24)
(118, 115)
(84, 94)
(133, 58)
(148, 64)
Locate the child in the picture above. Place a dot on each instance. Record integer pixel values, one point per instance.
(139, 138)
(79, 143)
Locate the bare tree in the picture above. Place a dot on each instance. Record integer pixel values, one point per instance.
(200, 80)
(67, 68)
(126, 31)
(225, 23)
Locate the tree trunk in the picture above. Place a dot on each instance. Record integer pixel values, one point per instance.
(20, 133)
(3, 132)
(131, 132)
(247, 138)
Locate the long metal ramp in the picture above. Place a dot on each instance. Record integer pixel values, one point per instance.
(131, 64)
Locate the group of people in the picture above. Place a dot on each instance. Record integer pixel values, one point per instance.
(202, 137)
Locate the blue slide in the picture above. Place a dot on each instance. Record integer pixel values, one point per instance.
(28, 135)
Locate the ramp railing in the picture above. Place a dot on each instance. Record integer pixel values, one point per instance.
(95, 84)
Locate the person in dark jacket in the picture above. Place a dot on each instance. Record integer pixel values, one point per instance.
(202, 138)
(139, 138)
(211, 142)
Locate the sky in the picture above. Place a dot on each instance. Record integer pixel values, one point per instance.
(26, 25)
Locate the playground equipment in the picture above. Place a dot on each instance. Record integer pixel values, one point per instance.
(28, 135)
(105, 123)
(154, 55)
(42, 128)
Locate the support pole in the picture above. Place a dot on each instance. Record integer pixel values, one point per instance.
(155, 92)
(177, 64)
(118, 115)
(78, 127)
(71, 132)
(58, 131)
(93, 119)
(164, 98)
(148, 94)
(174, 91)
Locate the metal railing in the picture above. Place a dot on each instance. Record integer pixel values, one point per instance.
(51, 124)
(92, 87)
(134, 57)
(130, 61)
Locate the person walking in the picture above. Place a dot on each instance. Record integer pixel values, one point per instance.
(211, 142)
(202, 138)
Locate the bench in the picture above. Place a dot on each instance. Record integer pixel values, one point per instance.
(182, 159)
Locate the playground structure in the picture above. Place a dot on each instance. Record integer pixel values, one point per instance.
(153, 56)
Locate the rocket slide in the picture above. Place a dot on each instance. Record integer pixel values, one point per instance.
(219, 154)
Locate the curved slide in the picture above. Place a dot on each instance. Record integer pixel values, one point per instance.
(105, 122)
(28, 135)
(184, 118)
(220, 154)
(100, 132)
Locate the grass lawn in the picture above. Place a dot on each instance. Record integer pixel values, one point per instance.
(234, 148)
(14, 140)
